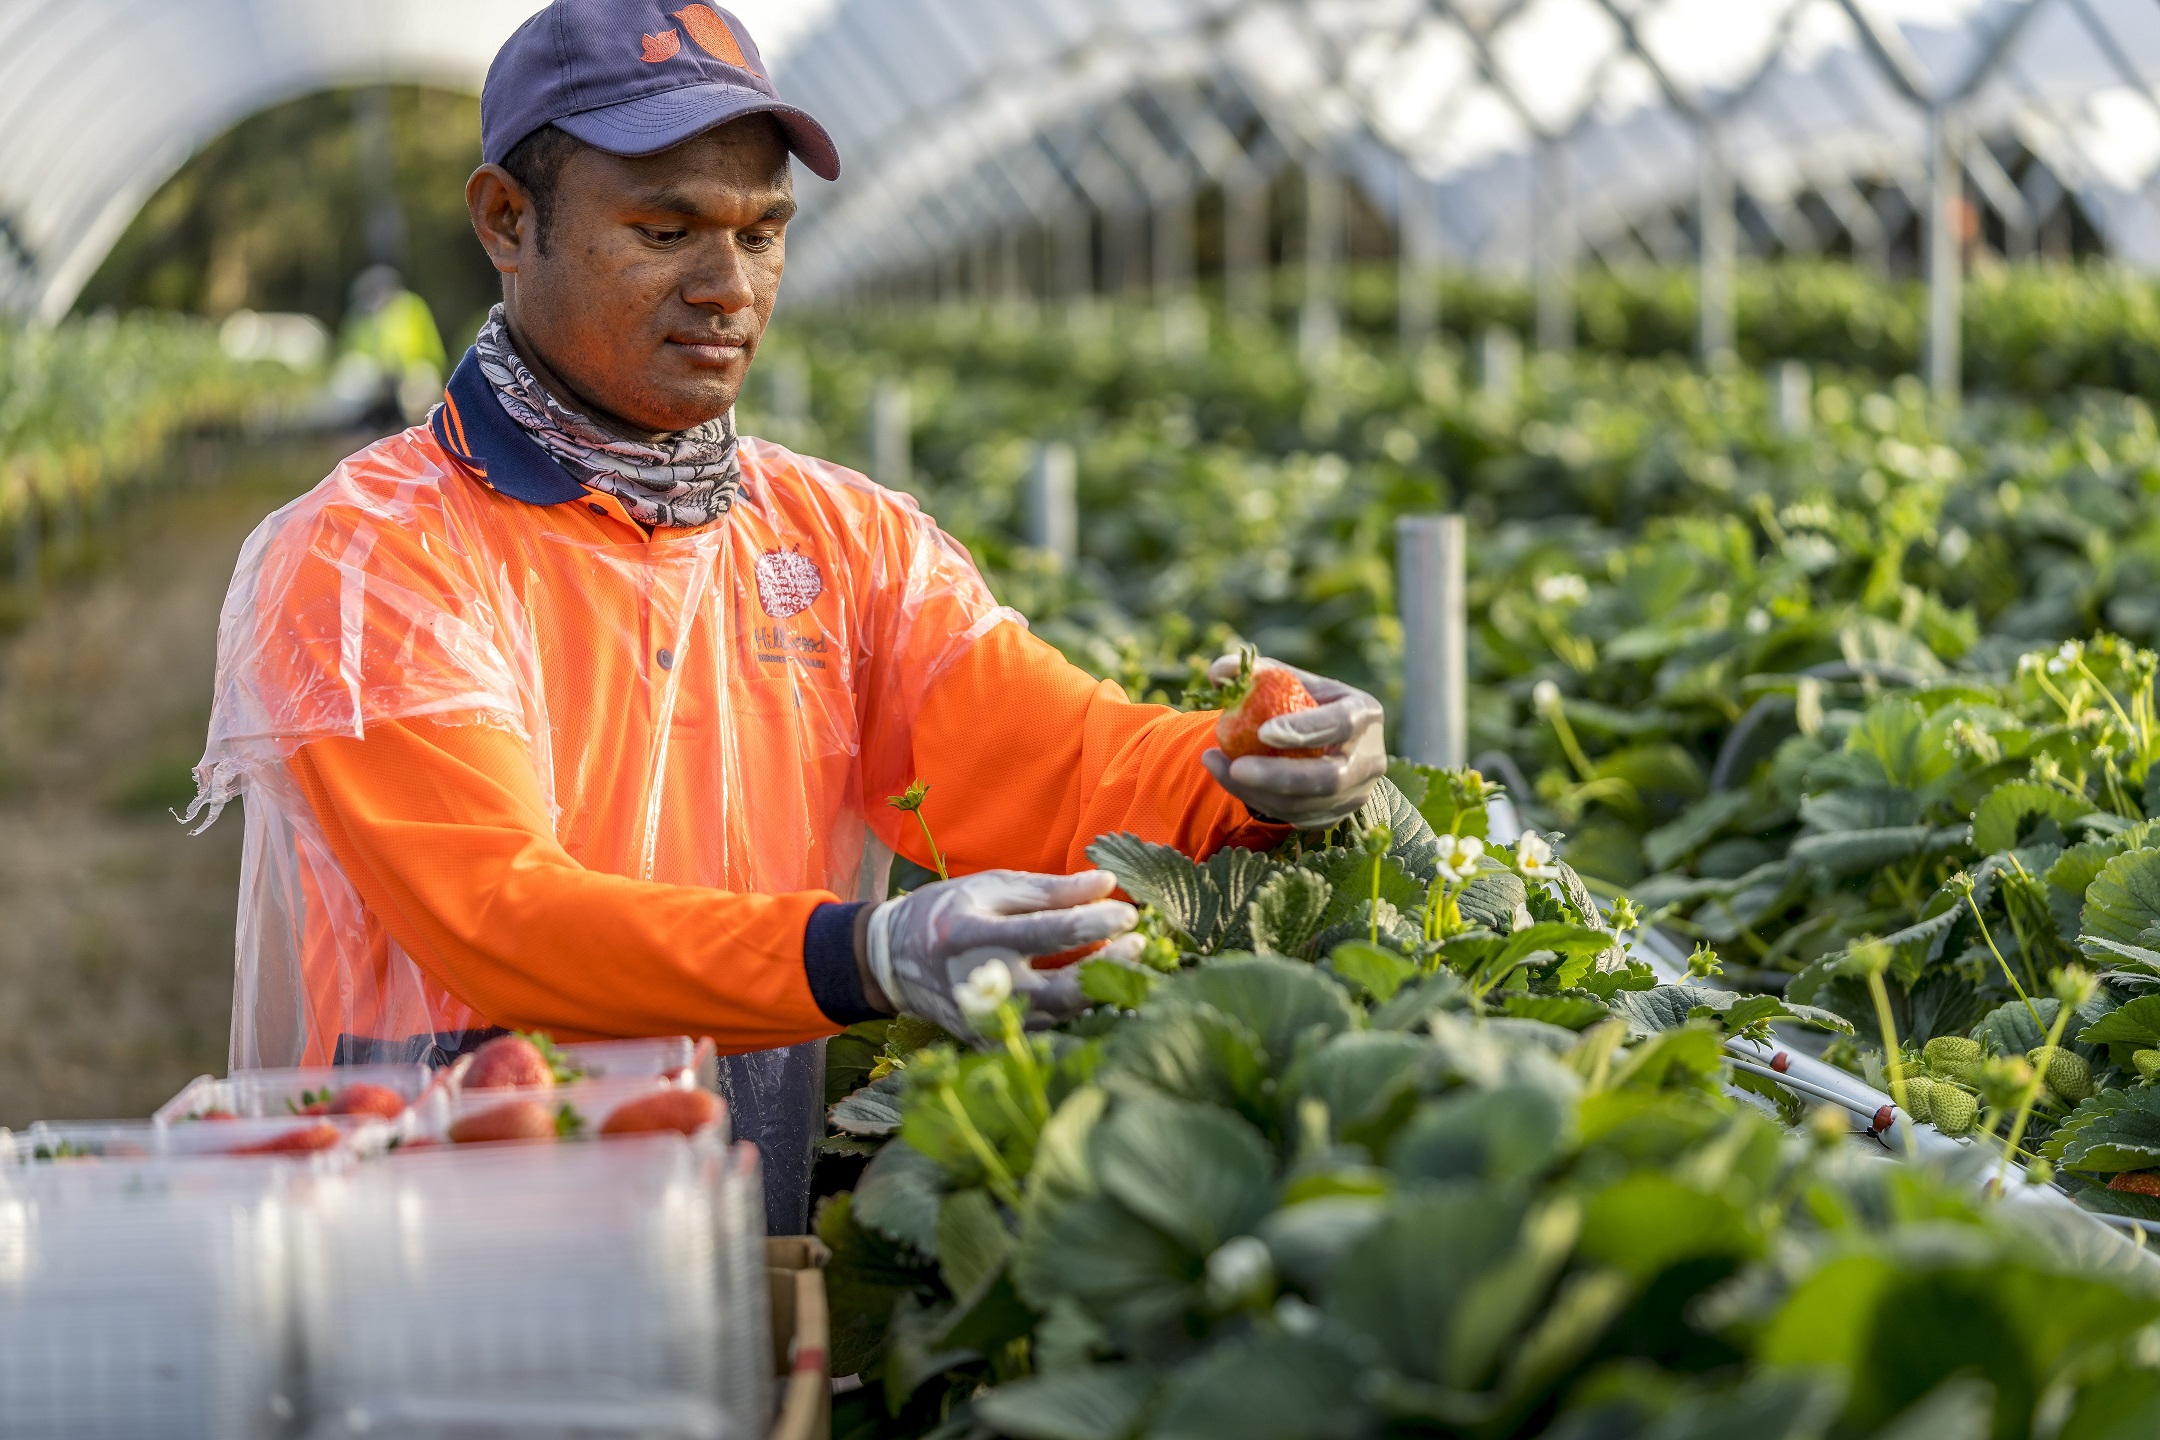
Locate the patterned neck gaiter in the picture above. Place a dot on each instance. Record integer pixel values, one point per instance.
(681, 481)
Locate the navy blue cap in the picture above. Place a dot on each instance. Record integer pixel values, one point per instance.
(632, 77)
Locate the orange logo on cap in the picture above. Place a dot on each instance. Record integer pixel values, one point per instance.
(661, 47)
(713, 36)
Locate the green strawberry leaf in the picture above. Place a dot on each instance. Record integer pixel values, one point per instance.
(1286, 911)
(2123, 902)
(873, 1111)
(1377, 971)
(2008, 806)
(1109, 982)
(1157, 875)
(898, 1197)
(1093, 1402)
(1279, 1000)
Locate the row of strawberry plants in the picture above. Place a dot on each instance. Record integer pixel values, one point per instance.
(93, 403)
(1655, 558)
(1398, 1135)
(2028, 329)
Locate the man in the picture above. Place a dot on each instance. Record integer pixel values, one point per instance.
(572, 710)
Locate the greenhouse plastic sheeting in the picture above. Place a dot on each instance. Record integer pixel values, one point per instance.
(399, 591)
(962, 119)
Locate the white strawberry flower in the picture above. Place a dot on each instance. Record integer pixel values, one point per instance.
(2069, 655)
(1534, 857)
(1563, 589)
(986, 988)
(1459, 857)
(1239, 1272)
(1545, 695)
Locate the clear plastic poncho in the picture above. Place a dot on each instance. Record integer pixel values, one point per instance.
(795, 639)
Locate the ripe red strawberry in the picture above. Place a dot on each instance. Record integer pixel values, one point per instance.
(1257, 696)
(688, 1111)
(309, 1137)
(1064, 958)
(518, 1120)
(216, 1113)
(508, 1062)
(2137, 1182)
(365, 1099)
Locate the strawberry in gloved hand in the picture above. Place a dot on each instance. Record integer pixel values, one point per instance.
(1297, 748)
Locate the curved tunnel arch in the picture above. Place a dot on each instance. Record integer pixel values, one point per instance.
(101, 103)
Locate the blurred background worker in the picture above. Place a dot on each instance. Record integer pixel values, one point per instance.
(390, 363)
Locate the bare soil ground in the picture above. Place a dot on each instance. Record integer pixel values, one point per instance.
(116, 926)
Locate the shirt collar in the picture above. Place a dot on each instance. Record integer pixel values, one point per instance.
(473, 426)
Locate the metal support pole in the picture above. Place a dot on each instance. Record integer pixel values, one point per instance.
(1716, 242)
(1795, 391)
(1172, 245)
(1499, 364)
(1430, 596)
(1319, 324)
(1053, 508)
(790, 392)
(1245, 249)
(1075, 249)
(1945, 237)
(1417, 279)
(1552, 244)
(891, 435)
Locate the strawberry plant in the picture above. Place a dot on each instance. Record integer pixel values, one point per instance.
(1484, 1184)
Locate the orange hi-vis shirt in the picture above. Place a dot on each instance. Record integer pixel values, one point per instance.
(511, 761)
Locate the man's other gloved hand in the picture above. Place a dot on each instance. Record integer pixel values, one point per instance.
(924, 945)
(1316, 793)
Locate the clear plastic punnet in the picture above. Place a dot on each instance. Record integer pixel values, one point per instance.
(721, 709)
(303, 1138)
(668, 1055)
(320, 1090)
(534, 1290)
(579, 1110)
(146, 1300)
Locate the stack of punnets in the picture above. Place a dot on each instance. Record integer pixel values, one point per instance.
(340, 1252)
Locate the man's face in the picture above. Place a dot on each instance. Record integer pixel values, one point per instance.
(657, 277)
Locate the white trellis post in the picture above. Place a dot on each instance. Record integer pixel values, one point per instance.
(1432, 601)
(1053, 508)
(1945, 239)
(1319, 324)
(1716, 242)
(891, 434)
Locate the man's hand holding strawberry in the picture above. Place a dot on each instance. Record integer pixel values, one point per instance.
(1296, 747)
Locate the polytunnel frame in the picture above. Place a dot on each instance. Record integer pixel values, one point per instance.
(1337, 130)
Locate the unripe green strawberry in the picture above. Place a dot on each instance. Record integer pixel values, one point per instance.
(1954, 1110)
(1951, 1055)
(1919, 1097)
(2147, 1063)
(2067, 1073)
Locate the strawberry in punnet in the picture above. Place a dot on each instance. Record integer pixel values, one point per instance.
(310, 1137)
(687, 1111)
(516, 1120)
(1259, 694)
(509, 1062)
(366, 1099)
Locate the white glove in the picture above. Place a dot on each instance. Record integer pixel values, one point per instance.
(926, 947)
(1310, 794)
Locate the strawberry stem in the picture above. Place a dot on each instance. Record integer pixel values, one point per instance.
(911, 800)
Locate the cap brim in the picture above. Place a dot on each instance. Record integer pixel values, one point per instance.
(652, 123)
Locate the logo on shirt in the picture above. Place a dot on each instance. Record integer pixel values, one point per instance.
(788, 583)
